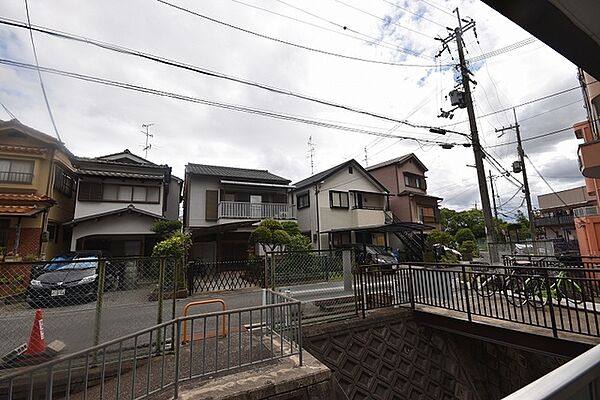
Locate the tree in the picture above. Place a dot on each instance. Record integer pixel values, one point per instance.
(439, 237)
(271, 234)
(463, 235)
(165, 228)
(176, 245)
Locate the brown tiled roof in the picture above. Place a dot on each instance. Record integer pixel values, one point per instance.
(23, 149)
(31, 197)
(24, 211)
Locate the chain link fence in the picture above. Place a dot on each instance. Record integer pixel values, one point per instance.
(203, 276)
(321, 280)
(66, 305)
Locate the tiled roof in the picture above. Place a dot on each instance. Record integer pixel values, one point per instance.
(23, 149)
(130, 209)
(316, 178)
(117, 174)
(31, 197)
(8, 210)
(398, 160)
(260, 175)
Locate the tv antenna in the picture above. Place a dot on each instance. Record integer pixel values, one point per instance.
(148, 135)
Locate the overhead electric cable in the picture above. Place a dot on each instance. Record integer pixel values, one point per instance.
(206, 72)
(545, 181)
(420, 16)
(383, 19)
(40, 74)
(502, 50)
(11, 115)
(300, 46)
(223, 105)
(569, 128)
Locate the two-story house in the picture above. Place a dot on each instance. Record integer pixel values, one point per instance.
(222, 205)
(342, 206)
(404, 177)
(37, 186)
(119, 197)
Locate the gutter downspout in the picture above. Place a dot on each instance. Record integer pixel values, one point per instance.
(49, 184)
(17, 237)
(318, 221)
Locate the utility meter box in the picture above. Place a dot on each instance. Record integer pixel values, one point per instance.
(457, 98)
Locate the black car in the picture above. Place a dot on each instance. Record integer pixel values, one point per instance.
(67, 279)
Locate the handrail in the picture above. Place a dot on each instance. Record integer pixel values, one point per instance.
(198, 303)
(566, 381)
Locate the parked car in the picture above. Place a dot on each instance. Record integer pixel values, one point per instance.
(375, 255)
(68, 279)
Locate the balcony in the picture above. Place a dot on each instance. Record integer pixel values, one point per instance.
(585, 211)
(367, 217)
(589, 159)
(559, 220)
(247, 210)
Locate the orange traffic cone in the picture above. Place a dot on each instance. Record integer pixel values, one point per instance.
(36, 344)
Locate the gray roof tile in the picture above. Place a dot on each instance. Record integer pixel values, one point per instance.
(255, 175)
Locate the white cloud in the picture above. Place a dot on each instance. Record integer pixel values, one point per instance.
(94, 120)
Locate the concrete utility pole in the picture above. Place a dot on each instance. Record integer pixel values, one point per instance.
(521, 165)
(493, 195)
(477, 150)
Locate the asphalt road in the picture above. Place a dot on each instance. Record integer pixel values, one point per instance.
(123, 312)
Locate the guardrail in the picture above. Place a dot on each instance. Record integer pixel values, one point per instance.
(575, 380)
(154, 360)
(552, 296)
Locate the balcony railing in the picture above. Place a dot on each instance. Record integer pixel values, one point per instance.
(585, 211)
(16, 177)
(553, 221)
(244, 210)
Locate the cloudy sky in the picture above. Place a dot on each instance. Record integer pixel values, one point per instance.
(93, 119)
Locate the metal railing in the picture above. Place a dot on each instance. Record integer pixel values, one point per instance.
(246, 210)
(16, 177)
(544, 294)
(579, 379)
(555, 220)
(585, 211)
(154, 360)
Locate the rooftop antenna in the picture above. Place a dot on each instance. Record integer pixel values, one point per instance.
(366, 157)
(148, 135)
(311, 153)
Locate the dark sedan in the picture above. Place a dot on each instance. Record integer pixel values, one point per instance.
(65, 280)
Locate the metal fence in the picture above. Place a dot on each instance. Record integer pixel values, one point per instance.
(203, 276)
(84, 301)
(322, 280)
(547, 295)
(579, 379)
(161, 358)
(539, 247)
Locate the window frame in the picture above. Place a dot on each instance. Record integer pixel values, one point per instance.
(419, 181)
(60, 179)
(301, 196)
(333, 194)
(118, 185)
(9, 172)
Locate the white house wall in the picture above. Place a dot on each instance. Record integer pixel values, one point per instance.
(126, 224)
(196, 202)
(86, 208)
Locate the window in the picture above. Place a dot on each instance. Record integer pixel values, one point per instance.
(350, 170)
(52, 232)
(427, 215)
(415, 181)
(369, 201)
(303, 201)
(90, 191)
(63, 182)
(338, 199)
(4, 228)
(96, 191)
(16, 171)
(340, 239)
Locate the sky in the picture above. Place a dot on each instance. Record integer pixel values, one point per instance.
(94, 119)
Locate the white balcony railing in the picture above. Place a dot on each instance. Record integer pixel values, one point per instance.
(244, 210)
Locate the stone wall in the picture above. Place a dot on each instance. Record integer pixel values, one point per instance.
(389, 355)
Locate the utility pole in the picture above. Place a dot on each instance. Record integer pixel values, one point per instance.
(467, 102)
(311, 153)
(493, 195)
(148, 135)
(520, 167)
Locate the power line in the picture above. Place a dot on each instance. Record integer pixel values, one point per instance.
(519, 105)
(300, 46)
(11, 115)
(204, 71)
(343, 31)
(502, 50)
(569, 128)
(40, 74)
(383, 19)
(545, 181)
(414, 13)
(439, 8)
(228, 106)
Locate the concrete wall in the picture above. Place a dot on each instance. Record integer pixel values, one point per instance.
(173, 203)
(391, 355)
(578, 195)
